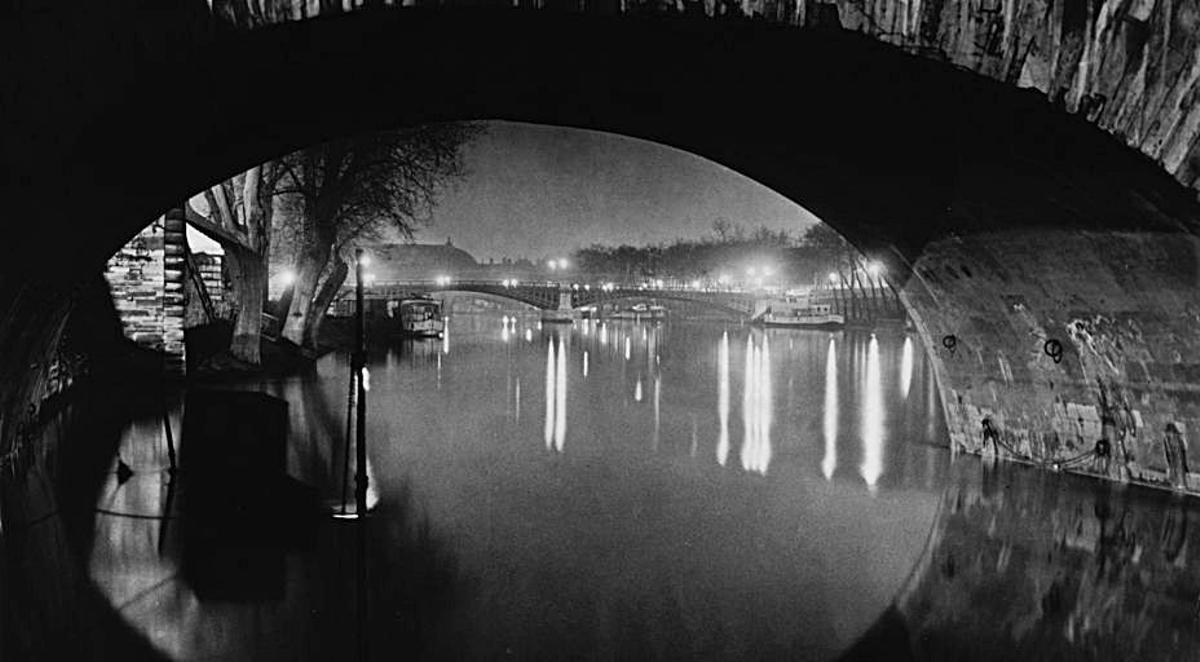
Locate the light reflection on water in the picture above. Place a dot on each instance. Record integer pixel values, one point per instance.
(723, 398)
(829, 462)
(873, 418)
(646, 480)
(639, 534)
(757, 406)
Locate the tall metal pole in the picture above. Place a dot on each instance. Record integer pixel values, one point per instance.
(360, 366)
(360, 477)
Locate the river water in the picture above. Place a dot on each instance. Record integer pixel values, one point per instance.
(634, 490)
(598, 490)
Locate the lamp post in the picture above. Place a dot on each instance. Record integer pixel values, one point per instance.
(360, 367)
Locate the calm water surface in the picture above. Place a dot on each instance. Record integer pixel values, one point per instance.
(596, 490)
(676, 488)
(617, 491)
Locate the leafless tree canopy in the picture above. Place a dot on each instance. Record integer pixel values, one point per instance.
(352, 189)
(356, 186)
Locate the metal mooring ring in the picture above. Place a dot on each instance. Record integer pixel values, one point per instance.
(1054, 349)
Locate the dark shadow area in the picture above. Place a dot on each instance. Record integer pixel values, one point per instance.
(936, 149)
(241, 511)
(1027, 564)
(243, 535)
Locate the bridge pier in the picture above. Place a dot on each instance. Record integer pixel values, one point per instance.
(565, 312)
(1076, 351)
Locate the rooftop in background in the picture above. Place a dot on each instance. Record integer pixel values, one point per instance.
(408, 261)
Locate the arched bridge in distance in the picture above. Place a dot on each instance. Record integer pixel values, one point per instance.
(548, 295)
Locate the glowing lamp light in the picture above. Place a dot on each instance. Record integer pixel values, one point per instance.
(832, 277)
(695, 285)
(874, 269)
(723, 279)
(365, 260)
(287, 277)
(658, 283)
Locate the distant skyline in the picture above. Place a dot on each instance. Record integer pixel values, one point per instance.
(539, 191)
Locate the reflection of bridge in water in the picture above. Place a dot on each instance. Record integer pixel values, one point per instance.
(556, 296)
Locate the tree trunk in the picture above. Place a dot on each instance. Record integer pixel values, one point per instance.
(312, 263)
(248, 273)
(329, 289)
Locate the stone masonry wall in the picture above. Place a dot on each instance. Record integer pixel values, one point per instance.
(1054, 347)
(1131, 67)
(146, 279)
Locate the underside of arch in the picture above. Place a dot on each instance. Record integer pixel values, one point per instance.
(1004, 222)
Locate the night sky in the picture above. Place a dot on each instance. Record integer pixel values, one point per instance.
(536, 191)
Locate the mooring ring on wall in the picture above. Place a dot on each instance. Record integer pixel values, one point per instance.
(950, 342)
(1054, 349)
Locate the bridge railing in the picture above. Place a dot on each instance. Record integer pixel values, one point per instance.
(441, 284)
(452, 283)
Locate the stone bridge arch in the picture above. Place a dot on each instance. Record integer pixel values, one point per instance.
(1052, 271)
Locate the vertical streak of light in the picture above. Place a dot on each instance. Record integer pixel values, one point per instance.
(749, 388)
(872, 423)
(627, 345)
(518, 399)
(906, 367)
(550, 394)
(446, 336)
(657, 399)
(766, 406)
(829, 463)
(528, 335)
(758, 403)
(585, 363)
(723, 398)
(560, 397)
(603, 335)
(637, 390)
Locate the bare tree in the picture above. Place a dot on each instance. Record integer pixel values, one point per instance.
(350, 189)
(239, 217)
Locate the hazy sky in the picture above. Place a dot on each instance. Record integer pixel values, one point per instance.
(538, 191)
